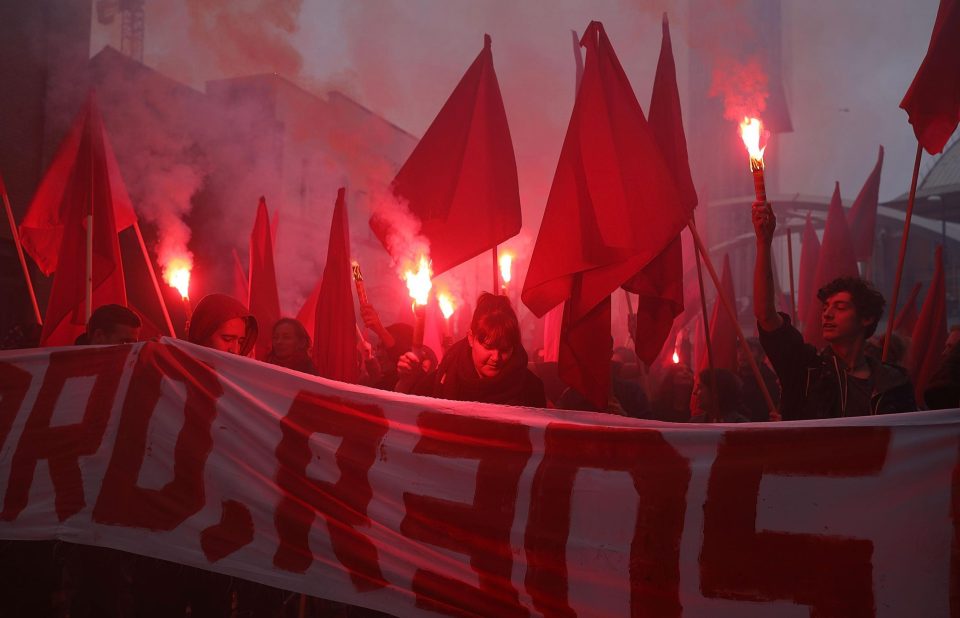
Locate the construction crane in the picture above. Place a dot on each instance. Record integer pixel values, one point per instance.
(131, 24)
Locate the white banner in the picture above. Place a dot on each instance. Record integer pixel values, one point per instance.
(419, 506)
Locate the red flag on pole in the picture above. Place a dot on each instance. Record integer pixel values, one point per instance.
(863, 214)
(84, 154)
(83, 179)
(933, 100)
(809, 255)
(335, 337)
(613, 208)
(308, 312)
(241, 283)
(907, 318)
(836, 260)
(461, 179)
(930, 333)
(264, 299)
(723, 332)
(660, 283)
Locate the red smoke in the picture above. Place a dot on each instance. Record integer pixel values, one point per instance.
(743, 86)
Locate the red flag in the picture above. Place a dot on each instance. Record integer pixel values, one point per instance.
(723, 332)
(613, 208)
(308, 312)
(933, 100)
(241, 284)
(552, 323)
(660, 283)
(264, 299)
(809, 255)
(335, 337)
(907, 318)
(83, 179)
(930, 334)
(863, 214)
(84, 161)
(836, 260)
(461, 179)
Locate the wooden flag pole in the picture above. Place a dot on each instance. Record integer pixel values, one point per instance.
(23, 261)
(793, 302)
(88, 294)
(496, 270)
(771, 407)
(903, 252)
(703, 311)
(706, 336)
(153, 278)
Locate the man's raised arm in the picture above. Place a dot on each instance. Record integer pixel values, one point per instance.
(764, 307)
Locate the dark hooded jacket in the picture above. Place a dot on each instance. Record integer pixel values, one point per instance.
(457, 378)
(814, 385)
(215, 309)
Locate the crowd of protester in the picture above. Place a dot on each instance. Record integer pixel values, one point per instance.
(490, 365)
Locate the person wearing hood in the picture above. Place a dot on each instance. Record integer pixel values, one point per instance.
(223, 323)
(840, 380)
(488, 366)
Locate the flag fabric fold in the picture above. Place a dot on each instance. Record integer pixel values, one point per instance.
(863, 214)
(723, 332)
(264, 301)
(308, 311)
(240, 283)
(836, 259)
(461, 179)
(932, 102)
(907, 318)
(930, 333)
(334, 339)
(83, 179)
(612, 208)
(660, 283)
(84, 165)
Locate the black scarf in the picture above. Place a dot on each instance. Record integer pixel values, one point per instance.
(457, 378)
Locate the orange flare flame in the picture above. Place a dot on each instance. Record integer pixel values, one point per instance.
(506, 267)
(177, 274)
(676, 358)
(446, 304)
(751, 130)
(418, 283)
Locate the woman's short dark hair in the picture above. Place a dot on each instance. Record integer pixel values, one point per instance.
(298, 328)
(494, 322)
(867, 301)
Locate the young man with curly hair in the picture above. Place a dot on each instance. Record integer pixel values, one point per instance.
(840, 380)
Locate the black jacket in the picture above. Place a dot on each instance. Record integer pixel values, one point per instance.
(813, 385)
(455, 378)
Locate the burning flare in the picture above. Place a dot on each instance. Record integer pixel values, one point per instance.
(676, 358)
(506, 267)
(751, 130)
(418, 283)
(446, 304)
(177, 274)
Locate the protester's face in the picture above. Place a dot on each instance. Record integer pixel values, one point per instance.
(839, 319)
(230, 337)
(488, 362)
(285, 341)
(701, 398)
(120, 333)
